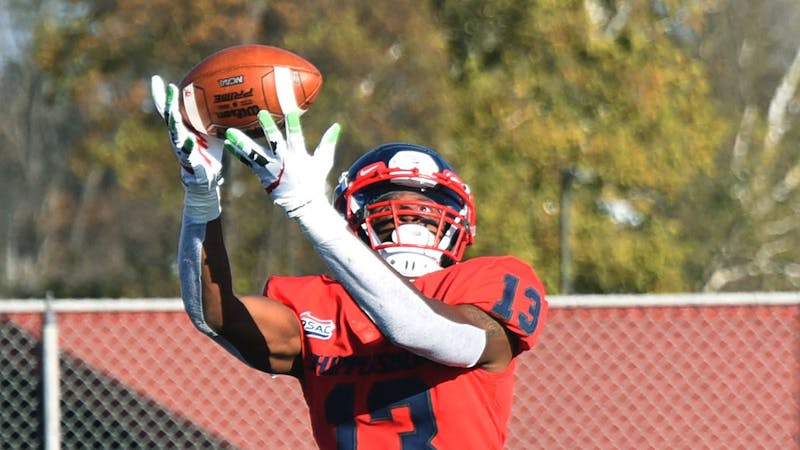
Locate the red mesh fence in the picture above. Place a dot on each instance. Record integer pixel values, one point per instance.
(600, 378)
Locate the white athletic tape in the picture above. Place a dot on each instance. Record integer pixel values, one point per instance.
(190, 105)
(284, 86)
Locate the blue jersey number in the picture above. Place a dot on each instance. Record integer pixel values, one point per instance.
(382, 398)
(529, 319)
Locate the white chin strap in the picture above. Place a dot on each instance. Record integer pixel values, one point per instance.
(412, 262)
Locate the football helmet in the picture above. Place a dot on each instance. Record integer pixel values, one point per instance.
(408, 204)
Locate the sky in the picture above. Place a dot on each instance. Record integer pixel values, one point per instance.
(13, 39)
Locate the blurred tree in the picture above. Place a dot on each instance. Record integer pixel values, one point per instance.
(382, 63)
(121, 206)
(37, 130)
(386, 79)
(750, 232)
(543, 93)
(517, 93)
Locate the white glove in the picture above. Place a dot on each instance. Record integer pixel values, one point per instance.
(287, 171)
(199, 156)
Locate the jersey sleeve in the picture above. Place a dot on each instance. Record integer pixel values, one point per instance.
(510, 291)
(318, 299)
(287, 289)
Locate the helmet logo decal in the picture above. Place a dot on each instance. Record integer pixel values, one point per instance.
(369, 169)
(410, 160)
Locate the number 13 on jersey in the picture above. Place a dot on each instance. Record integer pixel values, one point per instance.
(530, 304)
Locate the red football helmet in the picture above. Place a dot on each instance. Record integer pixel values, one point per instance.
(409, 205)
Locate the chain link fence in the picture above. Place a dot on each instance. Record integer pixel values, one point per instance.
(629, 372)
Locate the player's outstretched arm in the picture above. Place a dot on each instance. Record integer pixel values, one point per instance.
(260, 332)
(460, 336)
(266, 333)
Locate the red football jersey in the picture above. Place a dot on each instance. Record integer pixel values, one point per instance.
(365, 393)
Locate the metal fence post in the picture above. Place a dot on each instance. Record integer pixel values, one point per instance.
(51, 378)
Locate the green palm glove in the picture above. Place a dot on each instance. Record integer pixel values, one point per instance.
(291, 175)
(199, 156)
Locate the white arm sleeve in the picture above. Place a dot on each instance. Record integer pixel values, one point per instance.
(190, 253)
(394, 306)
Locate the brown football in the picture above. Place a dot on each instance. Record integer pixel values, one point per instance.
(229, 87)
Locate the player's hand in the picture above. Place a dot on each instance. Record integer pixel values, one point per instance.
(199, 156)
(291, 175)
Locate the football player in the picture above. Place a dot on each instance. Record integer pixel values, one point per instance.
(405, 346)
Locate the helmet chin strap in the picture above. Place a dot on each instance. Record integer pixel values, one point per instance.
(412, 262)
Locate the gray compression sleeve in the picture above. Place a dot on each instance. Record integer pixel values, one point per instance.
(393, 305)
(190, 253)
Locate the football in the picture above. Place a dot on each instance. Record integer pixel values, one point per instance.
(229, 87)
